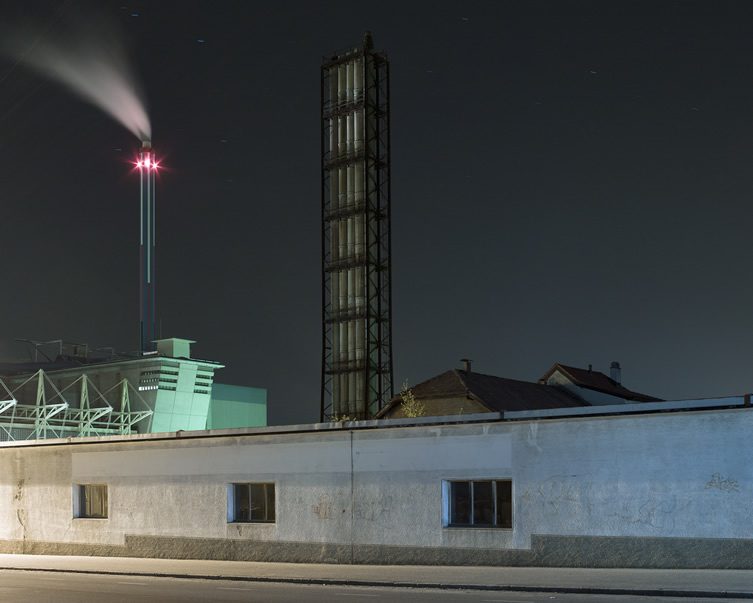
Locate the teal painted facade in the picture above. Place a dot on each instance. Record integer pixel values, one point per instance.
(183, 396)
(157, 392)
(236, 406)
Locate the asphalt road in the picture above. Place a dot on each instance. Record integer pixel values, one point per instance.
(53, 587)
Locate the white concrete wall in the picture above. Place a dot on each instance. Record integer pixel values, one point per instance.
(675, 474)
(679, 474)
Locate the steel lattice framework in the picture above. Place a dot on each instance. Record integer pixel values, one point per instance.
(32, 407)
(356, 292)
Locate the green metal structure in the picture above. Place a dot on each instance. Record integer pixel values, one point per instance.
(161, 391)
(237, 406)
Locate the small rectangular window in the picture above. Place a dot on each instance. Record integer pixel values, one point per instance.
(251, 503)
(482, 503)
(90, 501)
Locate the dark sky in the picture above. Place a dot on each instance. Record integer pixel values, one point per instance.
(572, 182)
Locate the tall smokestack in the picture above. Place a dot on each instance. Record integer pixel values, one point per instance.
(147, 165)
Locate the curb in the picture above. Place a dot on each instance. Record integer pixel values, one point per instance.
(585, 590)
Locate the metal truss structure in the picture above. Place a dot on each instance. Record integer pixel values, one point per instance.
(32, 407)
(356, 292)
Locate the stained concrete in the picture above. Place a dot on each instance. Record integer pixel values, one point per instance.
(547, 551)
(655, 490)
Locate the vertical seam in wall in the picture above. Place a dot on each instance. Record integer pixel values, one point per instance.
(352, 501)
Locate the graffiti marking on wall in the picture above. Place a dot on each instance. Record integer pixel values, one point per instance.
(725, 484)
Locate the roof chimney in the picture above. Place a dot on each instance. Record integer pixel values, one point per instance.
(467, 365)
(173, 347)
(615, 372)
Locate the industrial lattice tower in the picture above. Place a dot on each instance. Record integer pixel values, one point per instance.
(356, 294)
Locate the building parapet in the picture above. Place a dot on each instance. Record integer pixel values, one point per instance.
(633, 408)
(613, 411)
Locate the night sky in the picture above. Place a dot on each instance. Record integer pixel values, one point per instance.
(572, 182)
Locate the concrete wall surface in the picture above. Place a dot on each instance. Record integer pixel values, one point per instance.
(658, 490)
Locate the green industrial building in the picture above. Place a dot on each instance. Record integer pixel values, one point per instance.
(237, 406)
(162, 391)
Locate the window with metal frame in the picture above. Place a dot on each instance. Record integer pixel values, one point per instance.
(478, 503)
(92, 501)
(251, 503)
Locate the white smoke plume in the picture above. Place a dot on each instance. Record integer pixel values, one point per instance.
(89, 60)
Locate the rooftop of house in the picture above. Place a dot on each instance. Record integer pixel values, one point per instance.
(498, 394)
(597, 381)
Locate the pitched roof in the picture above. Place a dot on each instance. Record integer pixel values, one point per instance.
(598, 381)
(496, 393)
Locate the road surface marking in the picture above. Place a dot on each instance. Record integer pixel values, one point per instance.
(133, 583)
(232, 588)
(353, 595)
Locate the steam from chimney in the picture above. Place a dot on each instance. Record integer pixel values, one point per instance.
(89, 60)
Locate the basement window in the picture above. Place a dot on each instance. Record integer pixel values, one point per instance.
(90, 501)
(251, 503)
(478, 504)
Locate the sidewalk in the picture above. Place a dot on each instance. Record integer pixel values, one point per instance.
(687, 583)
